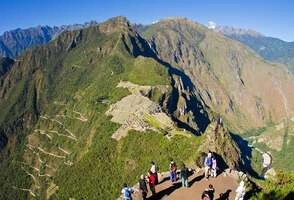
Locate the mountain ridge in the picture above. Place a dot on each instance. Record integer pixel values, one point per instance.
(14, 42)
(270, 48)
(63, 105)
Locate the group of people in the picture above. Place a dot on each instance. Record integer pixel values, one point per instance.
(184, 173)
(151, 179)
(210, 165)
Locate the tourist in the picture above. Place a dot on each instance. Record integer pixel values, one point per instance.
(210, 191)
(154, 170)
(205, 196)
(127, 192)
(207, 164)
(143, 187)
(152, 182)
(214, 167)
(184, 175)
(240, 191)
(173, 171)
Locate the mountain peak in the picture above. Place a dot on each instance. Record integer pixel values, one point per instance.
(228, 30)
(179, 20)
(114, 24)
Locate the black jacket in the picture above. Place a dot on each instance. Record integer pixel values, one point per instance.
(142, 185)
(184, 172)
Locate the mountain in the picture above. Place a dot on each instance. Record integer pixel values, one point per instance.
(81, 113)
(272, 49)
(13, 43)
(88, 111)
(229, 78)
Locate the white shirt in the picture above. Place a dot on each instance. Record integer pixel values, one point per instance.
(153, 169)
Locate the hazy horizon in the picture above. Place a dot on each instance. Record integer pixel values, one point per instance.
(269, 18)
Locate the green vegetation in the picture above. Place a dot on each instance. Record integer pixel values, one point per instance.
(100, 175)
(280, 188)
(63, 81)
(147, 71)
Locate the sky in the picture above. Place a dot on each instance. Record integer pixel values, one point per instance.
(269, 17)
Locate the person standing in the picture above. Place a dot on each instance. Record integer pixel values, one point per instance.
(152, 182)
(143, 187)
(127, 192)
(210, 191)
(154, 170)
(184, 175)
(214, 167)
(207, 164)
(173, 171)
(240, 191)
(205, 196)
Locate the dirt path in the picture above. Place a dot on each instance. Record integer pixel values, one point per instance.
(197, 184)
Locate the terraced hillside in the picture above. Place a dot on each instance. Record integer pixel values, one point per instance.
(90, 110)
(57, 135)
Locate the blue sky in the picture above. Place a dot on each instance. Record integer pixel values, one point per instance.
(270, 17)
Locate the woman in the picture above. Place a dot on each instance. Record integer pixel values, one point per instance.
(214, 167)
(152, 182)
(173, 171)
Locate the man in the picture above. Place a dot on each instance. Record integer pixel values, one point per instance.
(207, 164)
(143, 187)
(210, 191)
(184, 175)
(240, 191)
(127, 192)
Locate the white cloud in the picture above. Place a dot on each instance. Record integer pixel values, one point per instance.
(211, 25)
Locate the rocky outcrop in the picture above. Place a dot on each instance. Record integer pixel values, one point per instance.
(219, 141)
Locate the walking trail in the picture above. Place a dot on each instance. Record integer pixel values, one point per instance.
(225, 183)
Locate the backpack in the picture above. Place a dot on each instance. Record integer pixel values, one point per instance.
(127, 193)
(173, 167)
(208, 161)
